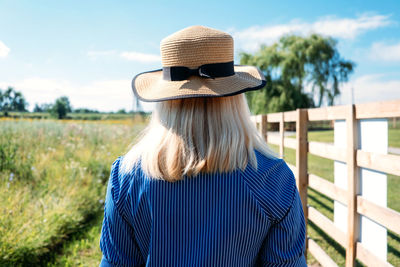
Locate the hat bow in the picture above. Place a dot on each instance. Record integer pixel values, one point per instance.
(214, 70)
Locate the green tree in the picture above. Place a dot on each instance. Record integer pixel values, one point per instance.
(67, 103)
(61, 107)
(42, 107)
(291, 65)
(37, 108)
(12, 100)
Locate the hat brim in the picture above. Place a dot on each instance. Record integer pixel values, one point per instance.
(151, 87)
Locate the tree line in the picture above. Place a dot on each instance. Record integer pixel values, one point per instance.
(14, 101)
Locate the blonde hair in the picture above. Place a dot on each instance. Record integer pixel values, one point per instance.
(197, 135)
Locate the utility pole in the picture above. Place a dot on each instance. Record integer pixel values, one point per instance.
(137, 105)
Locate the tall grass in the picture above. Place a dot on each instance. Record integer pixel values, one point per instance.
(52, 179)
(142, 116)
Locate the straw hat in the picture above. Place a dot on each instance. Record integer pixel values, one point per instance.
(197, 62)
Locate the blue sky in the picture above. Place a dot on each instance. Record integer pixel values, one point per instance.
(90, 50)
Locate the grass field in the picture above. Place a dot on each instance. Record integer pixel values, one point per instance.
(52, 182)
(53, 176)
(73, 116)
(82, 249)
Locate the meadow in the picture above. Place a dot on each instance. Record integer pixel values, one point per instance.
(72, 116)
(53, 176)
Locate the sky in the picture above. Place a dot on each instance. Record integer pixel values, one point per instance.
(91, 50)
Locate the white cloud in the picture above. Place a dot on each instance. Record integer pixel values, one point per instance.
(345, 28)
(4, 50)
(349, 28)
(371, 88)
(106, 95)
(140, 57)
(385, 52)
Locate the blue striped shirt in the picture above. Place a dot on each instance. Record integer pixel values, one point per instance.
(242, 218)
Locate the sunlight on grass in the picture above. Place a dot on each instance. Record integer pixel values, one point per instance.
(394, 137)
(52, 179)
(83, 248)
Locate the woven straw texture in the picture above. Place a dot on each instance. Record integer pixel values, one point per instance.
(193, 47)
(196, 46)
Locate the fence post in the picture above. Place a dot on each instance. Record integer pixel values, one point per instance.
(301, 158)
(264, 127)
(352, 186)
(282, 134)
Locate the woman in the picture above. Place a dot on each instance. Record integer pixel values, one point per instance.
(201, 187)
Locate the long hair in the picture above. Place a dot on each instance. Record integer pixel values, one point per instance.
(197, 135)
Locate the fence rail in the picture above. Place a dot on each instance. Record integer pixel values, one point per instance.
(354, 159)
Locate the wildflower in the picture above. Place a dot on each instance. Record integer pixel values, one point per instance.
(11, 177)
(101, 201)
(33, 168)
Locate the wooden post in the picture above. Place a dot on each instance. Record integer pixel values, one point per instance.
(264, 127)
(352, 187)
(301, 158)
(282, 135)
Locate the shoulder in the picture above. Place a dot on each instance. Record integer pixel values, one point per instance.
(272, 185)
(121, 182)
